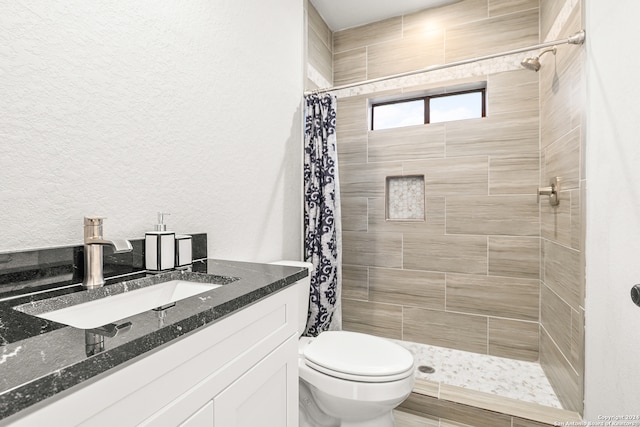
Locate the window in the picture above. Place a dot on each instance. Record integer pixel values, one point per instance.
(398, 114)
(428, 109)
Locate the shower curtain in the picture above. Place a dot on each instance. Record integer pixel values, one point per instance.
(323, 240)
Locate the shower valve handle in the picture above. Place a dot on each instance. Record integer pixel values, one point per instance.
(551, 191)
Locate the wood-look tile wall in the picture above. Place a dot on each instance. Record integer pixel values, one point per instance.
(562, 92)
(468, 277)
(319, 46)
(434, 281)
(466, 29)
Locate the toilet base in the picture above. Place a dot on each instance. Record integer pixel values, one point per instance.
(385, 420)
(312, 415)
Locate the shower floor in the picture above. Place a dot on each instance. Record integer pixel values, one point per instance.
(504, 377)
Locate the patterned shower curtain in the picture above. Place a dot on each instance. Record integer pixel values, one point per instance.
(323, 245)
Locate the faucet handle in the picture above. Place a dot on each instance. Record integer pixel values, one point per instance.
(92, 228)
(93, 220)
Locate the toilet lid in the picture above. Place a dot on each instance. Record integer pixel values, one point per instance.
(350, 355)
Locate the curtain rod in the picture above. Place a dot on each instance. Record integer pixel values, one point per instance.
(577, 38)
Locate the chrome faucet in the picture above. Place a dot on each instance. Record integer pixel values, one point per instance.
(93, 244)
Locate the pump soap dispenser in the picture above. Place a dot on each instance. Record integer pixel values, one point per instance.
(159, 247)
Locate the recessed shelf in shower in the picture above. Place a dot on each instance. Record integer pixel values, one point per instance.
(405, 199)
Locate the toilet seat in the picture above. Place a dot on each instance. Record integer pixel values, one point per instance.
(358, 357)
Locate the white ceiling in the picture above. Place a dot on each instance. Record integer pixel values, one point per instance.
(342, 14)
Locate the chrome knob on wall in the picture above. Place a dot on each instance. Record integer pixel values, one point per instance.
(635, 295)
(551, 191)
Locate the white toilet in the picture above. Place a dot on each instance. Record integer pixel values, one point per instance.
(348, 379)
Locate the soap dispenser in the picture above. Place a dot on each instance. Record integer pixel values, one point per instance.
(159, 247)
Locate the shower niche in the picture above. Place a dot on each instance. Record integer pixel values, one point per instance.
(404, 197)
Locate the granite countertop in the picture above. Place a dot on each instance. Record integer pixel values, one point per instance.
(40, 358)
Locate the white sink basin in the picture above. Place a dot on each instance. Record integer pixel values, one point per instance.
(96, 313)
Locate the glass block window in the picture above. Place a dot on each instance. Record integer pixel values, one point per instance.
(405, 198)
(462, 105)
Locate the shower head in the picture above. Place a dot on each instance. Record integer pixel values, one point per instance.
(533, 63)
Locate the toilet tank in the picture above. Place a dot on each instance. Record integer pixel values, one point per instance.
(302, 286)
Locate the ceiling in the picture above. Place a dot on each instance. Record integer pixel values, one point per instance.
(343, 14)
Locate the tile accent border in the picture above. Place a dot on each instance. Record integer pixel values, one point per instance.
(477, 69)
(451, 403)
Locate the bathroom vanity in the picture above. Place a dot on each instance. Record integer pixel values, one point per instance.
(224, 357)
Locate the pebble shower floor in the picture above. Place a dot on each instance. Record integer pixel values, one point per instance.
(505, 377)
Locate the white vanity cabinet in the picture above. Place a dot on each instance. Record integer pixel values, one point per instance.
(240, 371)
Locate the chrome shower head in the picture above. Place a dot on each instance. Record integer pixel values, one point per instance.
(533, 63)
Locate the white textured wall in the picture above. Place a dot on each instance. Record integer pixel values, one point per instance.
(612, 330)
(123, 108)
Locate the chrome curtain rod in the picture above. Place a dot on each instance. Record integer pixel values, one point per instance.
(577, 38)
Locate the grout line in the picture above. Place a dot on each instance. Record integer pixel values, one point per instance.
(368, 284)
(402, 323)
(542, 283)
(560, 244)
(444, 45)
(367, 213)
(402, 251)
(445, 291)
(366, 64)
(444, 131)
(559, 350)
(488, 255)
(445, 215)
(488, 328)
